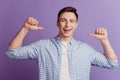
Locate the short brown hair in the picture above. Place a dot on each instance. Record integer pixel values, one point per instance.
(68, 9)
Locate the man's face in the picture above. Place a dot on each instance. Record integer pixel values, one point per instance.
(67, 23)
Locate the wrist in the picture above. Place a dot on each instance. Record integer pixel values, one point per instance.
(104, 40)
(25, 28)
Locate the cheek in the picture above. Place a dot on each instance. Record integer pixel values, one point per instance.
(60, 25)
(74, 29)
(76, 26)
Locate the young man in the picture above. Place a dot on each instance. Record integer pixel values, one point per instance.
(62, 57)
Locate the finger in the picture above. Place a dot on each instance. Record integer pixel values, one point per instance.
(103, 31)
(100, 31)
(39, 28)
(29, 20)
(36, 23)
(32, 21)
(94, 35)
(97, 31)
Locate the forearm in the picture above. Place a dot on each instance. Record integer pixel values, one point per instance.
(18, 39)
(30, 24)
(108, 50)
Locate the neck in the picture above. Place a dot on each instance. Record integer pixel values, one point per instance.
(65, 39)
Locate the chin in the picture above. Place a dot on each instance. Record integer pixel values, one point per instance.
(67, 35)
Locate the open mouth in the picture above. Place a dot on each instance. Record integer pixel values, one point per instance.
(67, 30)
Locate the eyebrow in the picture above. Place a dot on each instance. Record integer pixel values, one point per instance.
(65, 18)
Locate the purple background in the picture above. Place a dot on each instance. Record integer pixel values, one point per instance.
(92, 14)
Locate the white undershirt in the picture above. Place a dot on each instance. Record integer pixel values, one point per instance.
(64, 75)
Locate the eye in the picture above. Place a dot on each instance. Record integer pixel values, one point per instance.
(62, 20)
(72, 20)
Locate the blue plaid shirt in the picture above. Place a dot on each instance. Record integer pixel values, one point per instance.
(48, 54)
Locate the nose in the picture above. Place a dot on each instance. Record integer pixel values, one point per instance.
(67, 24)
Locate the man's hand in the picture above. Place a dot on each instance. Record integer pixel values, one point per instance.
(32, 24)
(100, 33)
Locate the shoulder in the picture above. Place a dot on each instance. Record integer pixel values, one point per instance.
(44, 41)
(41, 42)
(82, 44)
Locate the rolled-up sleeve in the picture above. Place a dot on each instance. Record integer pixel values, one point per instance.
(98, 59)
(112, 63)
(26, 52)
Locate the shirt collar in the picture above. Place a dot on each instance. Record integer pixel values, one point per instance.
(71, 42)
